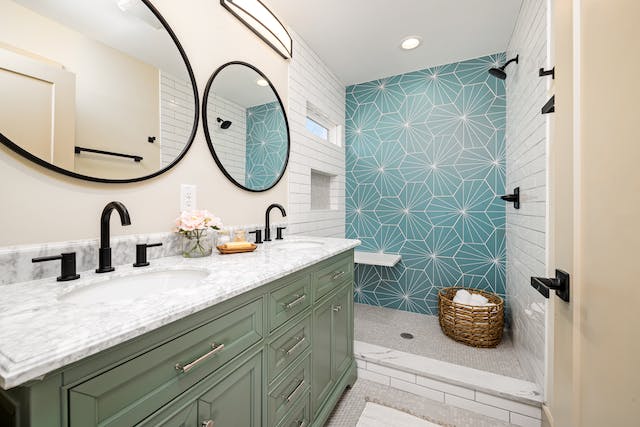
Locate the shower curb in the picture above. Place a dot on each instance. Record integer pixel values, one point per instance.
(508, 399)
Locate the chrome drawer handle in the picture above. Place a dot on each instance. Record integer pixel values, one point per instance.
(298, 300)
(338, 275)
(336, 308)
(295, 391)
(186, 368)
(300, 340)
(207, 423)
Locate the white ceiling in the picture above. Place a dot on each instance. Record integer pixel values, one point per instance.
(137, 32)
(360, 39)
(237, 83)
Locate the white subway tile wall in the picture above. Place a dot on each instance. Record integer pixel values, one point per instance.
(176, 116)
(225, 141)
(311, 81)
(526, 168)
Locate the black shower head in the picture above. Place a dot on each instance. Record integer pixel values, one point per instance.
(224, 124)
(499, 71)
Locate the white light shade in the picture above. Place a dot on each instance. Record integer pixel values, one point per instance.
(261, 21)
(410, 43)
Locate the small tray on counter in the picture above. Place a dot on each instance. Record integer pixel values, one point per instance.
(225, 251)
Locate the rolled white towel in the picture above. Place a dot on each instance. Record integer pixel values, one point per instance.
(479, 300)
(462, 297)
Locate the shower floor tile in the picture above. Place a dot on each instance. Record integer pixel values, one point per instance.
(383, 326)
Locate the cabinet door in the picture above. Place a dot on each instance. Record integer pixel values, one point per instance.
(321, 372)
(342, 332)
(235, 401)
(178, 414)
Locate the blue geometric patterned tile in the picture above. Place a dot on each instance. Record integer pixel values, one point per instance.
(367, 279)
(426, 156)
(266, 145)
(389, 239)
(408, 293)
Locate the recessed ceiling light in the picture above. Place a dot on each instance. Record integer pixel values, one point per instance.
(262, 82)
(409, 43)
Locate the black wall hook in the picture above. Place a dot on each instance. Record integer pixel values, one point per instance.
(515, 197)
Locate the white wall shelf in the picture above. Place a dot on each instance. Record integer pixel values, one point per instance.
(371, 258)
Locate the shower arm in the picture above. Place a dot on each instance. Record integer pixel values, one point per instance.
(509, 62)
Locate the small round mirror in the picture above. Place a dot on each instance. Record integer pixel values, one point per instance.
(246, 126)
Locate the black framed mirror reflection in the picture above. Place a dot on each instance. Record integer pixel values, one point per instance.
(99, 90)
(246, 126)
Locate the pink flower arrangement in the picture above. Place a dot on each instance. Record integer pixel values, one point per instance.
(190, 221)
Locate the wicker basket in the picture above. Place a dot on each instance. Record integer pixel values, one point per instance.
(476, 326)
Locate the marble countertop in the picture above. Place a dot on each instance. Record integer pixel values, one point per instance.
(41, 332)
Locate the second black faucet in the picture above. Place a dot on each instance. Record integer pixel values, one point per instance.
(267, 228)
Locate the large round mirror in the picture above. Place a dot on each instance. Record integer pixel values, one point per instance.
(246, 126)
(99, 90)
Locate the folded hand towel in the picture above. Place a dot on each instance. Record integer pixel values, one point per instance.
(237, 245)
(462, 297)
(477, 299)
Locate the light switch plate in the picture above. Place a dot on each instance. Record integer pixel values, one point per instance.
(188, 197)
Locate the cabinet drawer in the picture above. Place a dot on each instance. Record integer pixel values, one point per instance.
(333, 275)
(229, 397)
(283, 350)
(128, 393)
(289, 391)
(289, 300)
(300, 415)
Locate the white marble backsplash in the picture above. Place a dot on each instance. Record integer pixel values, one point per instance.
(16, 265)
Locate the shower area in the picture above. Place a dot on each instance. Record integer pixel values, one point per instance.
(429, 154)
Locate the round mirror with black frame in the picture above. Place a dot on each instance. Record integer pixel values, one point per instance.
(246, 126)
(99, 90)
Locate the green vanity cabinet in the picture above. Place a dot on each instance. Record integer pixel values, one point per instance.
(278, 355)
(332, 343)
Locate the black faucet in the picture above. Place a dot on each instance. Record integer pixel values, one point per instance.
(104, 253)
(267, 230)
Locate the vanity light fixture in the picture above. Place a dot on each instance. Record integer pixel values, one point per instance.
(259, 19)
(411, 42)
(262, 82)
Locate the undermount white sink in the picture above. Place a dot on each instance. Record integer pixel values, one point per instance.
(298, 245)
(135, 286)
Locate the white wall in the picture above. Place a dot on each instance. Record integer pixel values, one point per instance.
(42, 206)
(311, 81)
(526, 167)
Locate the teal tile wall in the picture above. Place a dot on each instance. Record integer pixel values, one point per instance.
(425, 168)
(266, 145)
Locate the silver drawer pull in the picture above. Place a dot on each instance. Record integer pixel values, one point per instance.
(186, 368)
(337, 275)
(298, 300)
(207, 423)
(336, 308)
(300, 341)
(295, 391)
